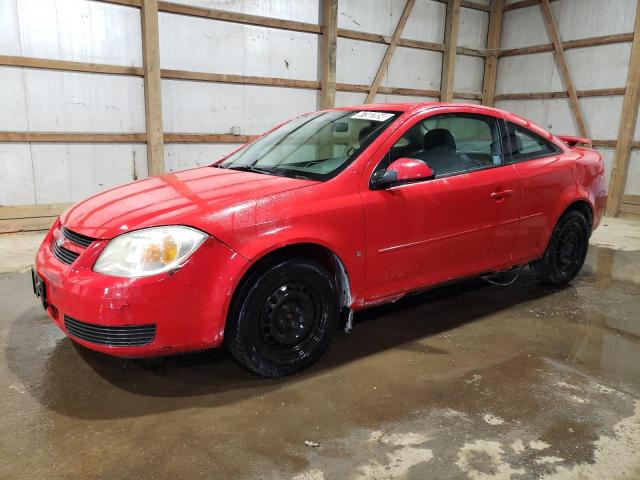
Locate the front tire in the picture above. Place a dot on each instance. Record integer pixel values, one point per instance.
(283, 317)
(566, 252)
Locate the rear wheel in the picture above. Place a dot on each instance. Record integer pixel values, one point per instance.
(566, 251)
(283, 317)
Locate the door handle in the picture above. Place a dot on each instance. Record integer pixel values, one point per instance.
(502, 194)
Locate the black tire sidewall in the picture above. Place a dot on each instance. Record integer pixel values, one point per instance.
(249, 304)
(547, 271)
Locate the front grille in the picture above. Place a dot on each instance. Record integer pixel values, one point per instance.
(63, 254)
(122, 336)
(80, 240)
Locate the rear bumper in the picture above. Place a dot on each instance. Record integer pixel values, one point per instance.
(187, 308)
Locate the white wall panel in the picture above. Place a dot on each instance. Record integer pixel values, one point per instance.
(76, 30)
(593, 18)
(607, 156)
(59, 173)
(413, 68)
(523, 27)
(299, 10)
(633, 176)
(554, 115)
(373, 16)
(357, 62)
(200, 107)
(602, 116)
(13, 106)
(604, 66)
(464, 100)
(528, 73)
(72, 172)
(384, 98)
(344, 99)
(469, 74)
(472, 31)
(204, 45)
(55, 101)
(16, 174)
(426, 22)
(179, 156)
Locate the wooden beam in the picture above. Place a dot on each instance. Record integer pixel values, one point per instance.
(126, 3)
(25, 218)
(65, 65)
(152, 86)
(561, 61)
(397, 33)
(239, 79)
(631, 199)
(207, 138)
(412, 92)
(469, 4)
(628, 119)
(235, 17)
(493, 44)
(70, 137)
(452, 22)
(522, 4)
(18, 225)
(13, 212)
(327, 98)
(600, 92)
(568, 45)
(629, 210)
(475, 5)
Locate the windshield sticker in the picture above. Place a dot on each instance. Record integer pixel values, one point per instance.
(375, 116)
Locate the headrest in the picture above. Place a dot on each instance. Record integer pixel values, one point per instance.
(439, 138)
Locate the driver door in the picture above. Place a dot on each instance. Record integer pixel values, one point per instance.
(462, 222)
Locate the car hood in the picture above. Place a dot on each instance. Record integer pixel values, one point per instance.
(197, 197)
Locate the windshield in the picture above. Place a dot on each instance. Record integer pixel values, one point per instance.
(315, 146)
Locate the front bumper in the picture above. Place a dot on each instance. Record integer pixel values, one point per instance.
(187, 307)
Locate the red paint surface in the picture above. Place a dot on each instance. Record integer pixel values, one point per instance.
(390, 241)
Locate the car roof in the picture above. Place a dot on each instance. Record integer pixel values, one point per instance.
(412, 106)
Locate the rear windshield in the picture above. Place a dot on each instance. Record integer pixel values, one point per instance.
(315, 146)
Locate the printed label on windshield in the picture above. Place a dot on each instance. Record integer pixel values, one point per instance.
(375, 116)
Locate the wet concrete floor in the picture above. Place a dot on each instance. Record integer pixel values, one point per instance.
(466, 381)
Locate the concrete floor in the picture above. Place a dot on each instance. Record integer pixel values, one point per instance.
(468, 381)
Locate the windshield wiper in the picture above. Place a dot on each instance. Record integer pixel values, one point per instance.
(251, 168)
(279, 172)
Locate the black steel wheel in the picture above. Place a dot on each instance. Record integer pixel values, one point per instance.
(566, 251)
(283, 317)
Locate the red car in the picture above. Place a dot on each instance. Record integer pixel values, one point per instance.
(329, 213)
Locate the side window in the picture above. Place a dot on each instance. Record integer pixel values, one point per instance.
(451, 144)
(526, 145)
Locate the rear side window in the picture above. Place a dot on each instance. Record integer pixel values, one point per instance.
(526, 145)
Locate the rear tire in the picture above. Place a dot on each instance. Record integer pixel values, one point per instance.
(566, 251)
(283, 317)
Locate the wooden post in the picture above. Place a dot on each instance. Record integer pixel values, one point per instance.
(390, 49)
(561, 61)
(493, 44)
(328, 54)
(628, 119)
(152, 86)
(450, 47)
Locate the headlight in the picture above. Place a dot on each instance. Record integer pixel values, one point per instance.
(148, 251)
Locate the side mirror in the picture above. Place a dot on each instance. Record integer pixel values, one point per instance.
(402, 170)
